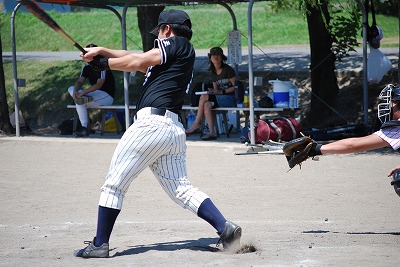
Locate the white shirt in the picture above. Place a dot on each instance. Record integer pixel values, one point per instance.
(390, 135)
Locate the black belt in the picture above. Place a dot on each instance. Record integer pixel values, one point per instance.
(161, 112)
(155, 111)
(158, 111)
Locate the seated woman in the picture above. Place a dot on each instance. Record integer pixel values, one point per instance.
(222, 94)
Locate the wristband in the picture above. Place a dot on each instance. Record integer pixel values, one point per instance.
(223, 92)
(318, 149)
(99, 63)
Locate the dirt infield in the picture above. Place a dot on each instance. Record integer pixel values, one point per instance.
(338, 211)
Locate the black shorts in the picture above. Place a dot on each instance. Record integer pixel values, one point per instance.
(213, 98)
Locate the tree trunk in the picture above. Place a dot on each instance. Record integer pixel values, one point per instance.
(5, 124)
(147, 20)
(323, 79)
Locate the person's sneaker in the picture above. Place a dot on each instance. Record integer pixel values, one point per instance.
(230, 237)
(91, 251)
(82, 132)
(83, 100)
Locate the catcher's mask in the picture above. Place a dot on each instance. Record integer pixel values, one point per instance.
(389, 94)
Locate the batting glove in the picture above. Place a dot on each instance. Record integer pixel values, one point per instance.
(99, 63)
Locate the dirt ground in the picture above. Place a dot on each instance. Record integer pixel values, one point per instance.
(337, 211)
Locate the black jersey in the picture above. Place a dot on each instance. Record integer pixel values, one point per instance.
(223, 79)
(165, 85)
(93, 76)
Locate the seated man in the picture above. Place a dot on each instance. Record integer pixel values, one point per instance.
(100, 93)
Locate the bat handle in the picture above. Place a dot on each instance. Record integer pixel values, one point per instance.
(80, 48)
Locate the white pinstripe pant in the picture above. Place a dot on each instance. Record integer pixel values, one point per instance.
(157, 142)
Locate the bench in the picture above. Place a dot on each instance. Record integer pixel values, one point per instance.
(246, 112)
(104, 109)
(185, 108)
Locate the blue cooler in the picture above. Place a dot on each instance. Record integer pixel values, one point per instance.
(281, 93)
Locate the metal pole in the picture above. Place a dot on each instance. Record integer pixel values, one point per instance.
(251, 80)
(14, 61)
(126, 74)
(231, 13)
(234, 28)
(236, 65)
(115, 12)
(365, 68)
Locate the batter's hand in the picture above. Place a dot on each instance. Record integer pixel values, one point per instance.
(91, 52)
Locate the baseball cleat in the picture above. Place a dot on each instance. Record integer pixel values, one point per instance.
(91, 251)
(83, 100)
(230, 237)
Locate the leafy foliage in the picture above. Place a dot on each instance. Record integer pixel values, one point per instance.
(342, 22)
(343, 30)
(284, 5)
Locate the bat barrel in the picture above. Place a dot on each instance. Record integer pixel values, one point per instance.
(38, 12)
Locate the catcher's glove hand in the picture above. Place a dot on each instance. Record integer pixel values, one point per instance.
(395, 177)
(396, 182)
(300, 149)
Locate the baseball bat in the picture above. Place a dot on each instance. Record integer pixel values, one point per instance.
(38, 12)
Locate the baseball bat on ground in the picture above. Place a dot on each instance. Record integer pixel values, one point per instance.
(259, 152)
(38, 12)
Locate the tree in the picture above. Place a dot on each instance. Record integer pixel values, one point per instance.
(5, 124)
(147, 20)
(333, 26)
(323, 78)
(332, 35)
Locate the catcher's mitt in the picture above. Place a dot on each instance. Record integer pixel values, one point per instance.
(300, 149)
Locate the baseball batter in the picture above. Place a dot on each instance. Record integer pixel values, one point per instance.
(157, 138)
(387, 136)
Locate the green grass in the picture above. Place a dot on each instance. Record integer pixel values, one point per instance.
(211, 23)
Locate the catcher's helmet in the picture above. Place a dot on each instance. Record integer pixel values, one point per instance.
(389, 94)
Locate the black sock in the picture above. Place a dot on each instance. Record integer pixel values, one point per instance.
(209, 212)
(105, 223)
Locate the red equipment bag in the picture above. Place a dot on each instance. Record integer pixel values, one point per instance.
(278, 129)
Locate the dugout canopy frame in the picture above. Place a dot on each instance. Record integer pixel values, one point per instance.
(110, 4)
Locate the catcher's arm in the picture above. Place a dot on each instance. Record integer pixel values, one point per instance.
(300, 149)
(354, 144)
